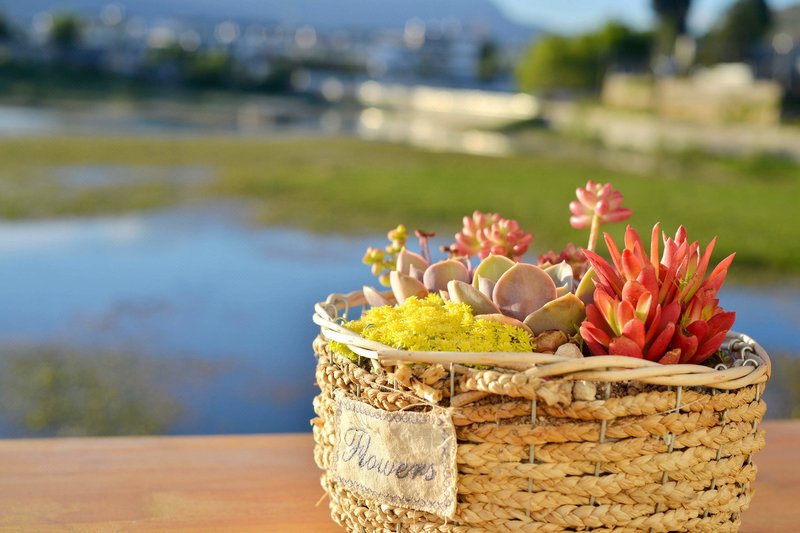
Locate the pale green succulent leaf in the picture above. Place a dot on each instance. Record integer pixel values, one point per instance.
(563, 313)
(407, 259)
(492, 268)
(374, 298)
(485, 285)
(404, 286)
(503, 319)
(561, 274)
(585, 289)
(461, 292)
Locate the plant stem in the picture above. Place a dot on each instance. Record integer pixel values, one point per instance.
(424, 236)
(594, 232)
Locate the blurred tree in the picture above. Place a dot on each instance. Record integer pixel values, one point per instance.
(66, 31)
(209, 70)
(488, 64)
(171, 53)
(626, 48)
(559, 62)
(734, 38)
(556, 62)
(279, 78)
(671, 23)
(6, 36)
(203, 69)
(5, 28)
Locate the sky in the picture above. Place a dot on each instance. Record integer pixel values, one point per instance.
(573, 16)
(559, 16)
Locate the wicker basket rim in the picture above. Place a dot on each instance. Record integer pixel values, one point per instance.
(751, 366)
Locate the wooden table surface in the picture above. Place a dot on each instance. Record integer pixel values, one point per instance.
(246, 483)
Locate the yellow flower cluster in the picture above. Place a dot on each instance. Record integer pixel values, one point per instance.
(431, 324)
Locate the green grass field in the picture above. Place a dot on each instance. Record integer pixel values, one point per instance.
(347, 185)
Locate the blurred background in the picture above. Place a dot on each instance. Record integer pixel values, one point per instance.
(181, 180)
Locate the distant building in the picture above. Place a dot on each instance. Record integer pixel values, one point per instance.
(165, 49)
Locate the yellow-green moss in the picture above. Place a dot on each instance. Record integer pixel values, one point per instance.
(431, 324)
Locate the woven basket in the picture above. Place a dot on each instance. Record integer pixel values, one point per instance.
(660, 448)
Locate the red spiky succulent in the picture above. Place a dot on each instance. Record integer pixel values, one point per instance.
(662, 310)
(489, 233)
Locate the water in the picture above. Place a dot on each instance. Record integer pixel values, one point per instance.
(262, 116)
(104, 175)
(201, 313)
(185, 287)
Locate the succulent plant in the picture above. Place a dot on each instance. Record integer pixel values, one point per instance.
(432, 324)
(489, 233)
(597, 204)
(499, 289)
(522, 294)
(574, 257)
(416, 277)
(633, 324)
(381, 262)
(662, 310)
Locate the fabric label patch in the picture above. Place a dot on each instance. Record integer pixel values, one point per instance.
(400, 458)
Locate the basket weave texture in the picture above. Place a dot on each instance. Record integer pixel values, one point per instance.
(657, 448)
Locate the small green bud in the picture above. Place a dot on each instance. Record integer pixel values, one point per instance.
(399, 235)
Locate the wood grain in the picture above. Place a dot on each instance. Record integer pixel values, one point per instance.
(216, 483)
(245, 483)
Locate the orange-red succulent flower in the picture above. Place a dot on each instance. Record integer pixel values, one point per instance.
(659, 309)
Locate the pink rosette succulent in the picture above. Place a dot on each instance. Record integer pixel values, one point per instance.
(573, 256)
(597, 204)
(489, 233)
